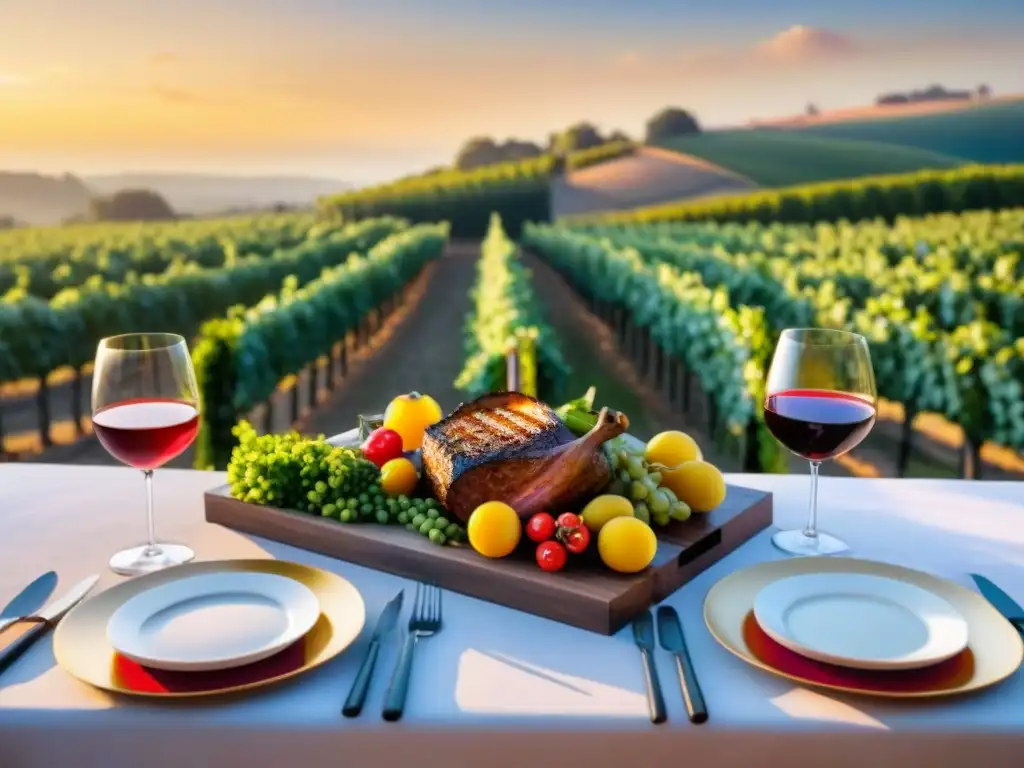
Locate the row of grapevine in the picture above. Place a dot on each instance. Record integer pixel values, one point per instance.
(911, 194)
(241, 358)
(972, 373)
(936, 353)
(725, 346)
(519, 191)
(958, 268)
(506, 315)
(602, 153)
(43, 261)
(38, 336)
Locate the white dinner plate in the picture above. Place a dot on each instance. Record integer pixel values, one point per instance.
(213, 621)
(860, 621)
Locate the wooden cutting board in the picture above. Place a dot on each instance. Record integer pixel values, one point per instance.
(585, 594)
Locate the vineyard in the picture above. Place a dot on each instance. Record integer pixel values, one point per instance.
(940, 299)
(929, 267)
(520, 191)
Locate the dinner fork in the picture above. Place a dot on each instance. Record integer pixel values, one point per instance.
(424, 622)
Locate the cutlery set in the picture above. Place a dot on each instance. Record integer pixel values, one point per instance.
(425, 620)
(670, 632)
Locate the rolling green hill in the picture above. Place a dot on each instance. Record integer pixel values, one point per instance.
(990, 133)
(775, 158)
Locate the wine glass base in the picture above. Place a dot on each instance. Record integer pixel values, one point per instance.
(139, 560)
(796, 543)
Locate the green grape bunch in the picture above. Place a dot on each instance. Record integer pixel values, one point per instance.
(290, 471)
(639, 481)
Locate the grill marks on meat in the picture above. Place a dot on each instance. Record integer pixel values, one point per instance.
(478, 431)
(509, 447)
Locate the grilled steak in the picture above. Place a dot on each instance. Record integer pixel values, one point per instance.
(509, 447)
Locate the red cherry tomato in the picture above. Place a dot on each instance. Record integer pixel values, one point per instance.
(577, 539)
(540, 527)
(551, 556)
(382, 446)
(569, 520)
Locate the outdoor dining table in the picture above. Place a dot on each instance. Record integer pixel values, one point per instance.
(499, 687)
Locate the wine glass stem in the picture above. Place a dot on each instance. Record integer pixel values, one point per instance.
(152, 550)
(811, 531)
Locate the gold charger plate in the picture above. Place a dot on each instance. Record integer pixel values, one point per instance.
(81, 647)
(994, 648)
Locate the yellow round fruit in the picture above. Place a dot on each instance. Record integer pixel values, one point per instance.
(672, 449)
(697, 484)
(494, 529)
(410, 415)
(626, 544)
(398, 476)
(601, 509)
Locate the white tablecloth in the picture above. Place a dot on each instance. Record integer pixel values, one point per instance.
(499, 687)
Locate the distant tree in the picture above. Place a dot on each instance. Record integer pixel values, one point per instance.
(483, 150)
(669, 122)
(984, 92)
(7, 222)
(619, 136)
(812, 109)
(477, 151)
(513, 149)
(579, 136)
(131, 205)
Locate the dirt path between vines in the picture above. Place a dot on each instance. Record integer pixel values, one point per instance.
(593, 354)
(424, 354)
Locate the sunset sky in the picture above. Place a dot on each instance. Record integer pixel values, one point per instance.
(368, 90)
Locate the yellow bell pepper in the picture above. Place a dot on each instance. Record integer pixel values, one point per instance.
(410, 415)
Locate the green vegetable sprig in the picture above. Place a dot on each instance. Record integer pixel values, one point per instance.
(505, 312)
(309, 475)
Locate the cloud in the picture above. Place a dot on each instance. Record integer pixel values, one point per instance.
(802, 43)
(795, 47)
(164, 58)
(176, 95)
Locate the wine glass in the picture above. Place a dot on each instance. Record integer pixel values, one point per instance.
(819, 403)
(145, 411)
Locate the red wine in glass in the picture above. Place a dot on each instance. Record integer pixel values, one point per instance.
(146, 433)
(819, 404)
(818, 424)
(145, 411)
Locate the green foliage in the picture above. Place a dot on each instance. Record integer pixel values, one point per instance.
(43, 261)
(240, 359)
(309, 475)
(41, 336)
(131, 205)
(940, 299)
(886, 197)
(775, 158)
(987, 133)
(611, 150)
(518, 191)
(505, 313)
(669, 123)
(727, 347)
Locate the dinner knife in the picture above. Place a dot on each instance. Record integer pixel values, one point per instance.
(30, 598)
(45, 619)
(386, 622)
(643, 634)
(670, 631)
(1001, 601)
